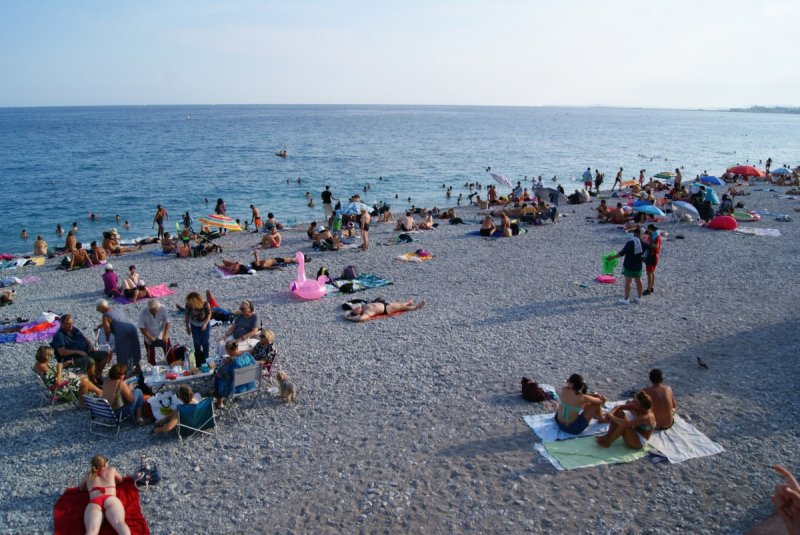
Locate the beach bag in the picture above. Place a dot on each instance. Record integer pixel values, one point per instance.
(66, 260)
(349, 273)
(531, 391)
(148, 473)
(404, 238)
(323, 272)
(456, 221)
(609, 265)
(346, 288)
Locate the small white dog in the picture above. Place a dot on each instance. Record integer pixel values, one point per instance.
(288, 391)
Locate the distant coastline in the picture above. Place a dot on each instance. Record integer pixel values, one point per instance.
(763, 109)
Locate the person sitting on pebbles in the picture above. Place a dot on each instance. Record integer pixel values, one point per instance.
(168, 246)
(379, 307)
(662, 398)
(271, 240)
(133, 287)
(576, 408)
(80, 258)
(634, 422)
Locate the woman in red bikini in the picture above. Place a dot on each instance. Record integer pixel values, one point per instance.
(101, 484)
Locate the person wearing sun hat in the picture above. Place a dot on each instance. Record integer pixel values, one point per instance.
(110, 281)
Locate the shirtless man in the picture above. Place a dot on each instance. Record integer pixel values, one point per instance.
(39, 246)
(426, 223)
(111, 244)
(99, 252)
(602, 211)
(617, 215)
(505, 225)
(80, 257)
(70, 242)
(663, 400)
(272, 239)
(256, 218)
(378, 308)
(406, 223)
(159, 220)
(618, 180)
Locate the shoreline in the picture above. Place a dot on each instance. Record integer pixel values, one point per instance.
(414, 423)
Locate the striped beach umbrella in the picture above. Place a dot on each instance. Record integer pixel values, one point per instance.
(221, 221)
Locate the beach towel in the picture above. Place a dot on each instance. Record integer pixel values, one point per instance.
(225, 274)
(69, 509)
(414, 257)
(160, 252)
(396, 240)
(759, 231)
(546, 429)
(682, 442)
(584, 452)
(28, 280)
(32, 336)
(155, 291)
(497, 233)
(381, 316)
(769, 214)
(364, 281)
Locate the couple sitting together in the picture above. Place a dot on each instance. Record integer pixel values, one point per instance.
(652, 408)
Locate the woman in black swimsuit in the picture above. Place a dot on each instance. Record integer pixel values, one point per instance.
(364, 220)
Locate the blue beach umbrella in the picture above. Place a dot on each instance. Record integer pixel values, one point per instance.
(781, 171)
(712, 181)
(649, 209)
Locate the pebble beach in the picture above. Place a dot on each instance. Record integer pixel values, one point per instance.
(413, 423)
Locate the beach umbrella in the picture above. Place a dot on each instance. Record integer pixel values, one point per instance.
(665, 175)
(500, 179)
(680, 207)
(649, 209)
(712, 181)
(352, 208)
(221, 221)
(746, 170)
(628, 183)
(781, 171)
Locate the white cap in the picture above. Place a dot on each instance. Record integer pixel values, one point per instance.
(320, 228)
(109, 267)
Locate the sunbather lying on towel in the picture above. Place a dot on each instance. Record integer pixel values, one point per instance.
(379, 308)
(576, 408)
(634, 422)
(101, 484)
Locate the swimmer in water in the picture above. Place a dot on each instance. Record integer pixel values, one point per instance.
(206, 200)
(299, 181)
(24, 234)
(59, 230)
(308, 195)
(74, 226)
(117, 218)
(127, 225)
(311, 203)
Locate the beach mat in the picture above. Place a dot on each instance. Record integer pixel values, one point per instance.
(20, 338)
(584, 452)
(155, 291)
(225, 274)
(28, 280)
(497, 233)
(364, 281)
(160, 252)
(69, 509)
(682, 442)
(413, 257)
(544, 425)
(759, 231)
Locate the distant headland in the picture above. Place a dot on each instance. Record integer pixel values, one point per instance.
(762, 109)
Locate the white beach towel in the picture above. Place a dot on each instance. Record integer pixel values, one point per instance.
(759, 231)
(682, 442)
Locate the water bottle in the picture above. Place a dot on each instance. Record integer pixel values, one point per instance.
(186, 362)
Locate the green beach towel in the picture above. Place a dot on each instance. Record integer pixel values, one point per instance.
(584, 452)
(609, 265)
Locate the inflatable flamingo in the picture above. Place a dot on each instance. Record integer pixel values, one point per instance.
(307, 289)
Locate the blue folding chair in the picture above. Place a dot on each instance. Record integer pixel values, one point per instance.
(197, 418)
(102, 417)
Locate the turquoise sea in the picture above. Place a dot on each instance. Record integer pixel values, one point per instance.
(126, 160)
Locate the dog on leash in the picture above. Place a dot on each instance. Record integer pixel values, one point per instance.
(287, 389)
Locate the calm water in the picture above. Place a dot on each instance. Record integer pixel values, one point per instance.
(126, 160)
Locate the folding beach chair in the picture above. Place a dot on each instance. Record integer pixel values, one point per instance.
(49, 394)
(102, 417)
(244, 376)
(198, 418)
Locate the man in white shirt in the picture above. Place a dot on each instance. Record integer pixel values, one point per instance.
(154, 325)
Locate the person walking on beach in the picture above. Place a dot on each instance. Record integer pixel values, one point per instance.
(327, 197)
(651, 258)
(632, 265)
(618, 180)
(363, 221)
(768, 165)
(161, 213)
(587, 179)
(256, 219)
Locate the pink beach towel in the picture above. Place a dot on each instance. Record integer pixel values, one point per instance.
(155, 291)
(28, 280)
(38, 335)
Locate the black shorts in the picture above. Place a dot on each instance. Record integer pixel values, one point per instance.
(129, 292)
(486, 232)
(366, 228)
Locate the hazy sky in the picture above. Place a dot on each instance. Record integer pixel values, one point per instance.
(672, 53)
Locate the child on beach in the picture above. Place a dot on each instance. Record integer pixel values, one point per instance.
(632, 264)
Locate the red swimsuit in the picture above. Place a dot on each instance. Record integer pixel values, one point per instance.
(100, 500)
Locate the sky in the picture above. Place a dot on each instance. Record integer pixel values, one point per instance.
(629, 53)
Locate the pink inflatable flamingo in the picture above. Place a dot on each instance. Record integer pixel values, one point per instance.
(304, 288)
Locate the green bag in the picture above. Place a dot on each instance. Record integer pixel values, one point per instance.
(609, 265)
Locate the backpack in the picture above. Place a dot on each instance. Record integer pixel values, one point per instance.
(531, 391)
(349, 273)
(404, 238)
(456, 221)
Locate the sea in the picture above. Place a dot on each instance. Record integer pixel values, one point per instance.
(59, 164)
